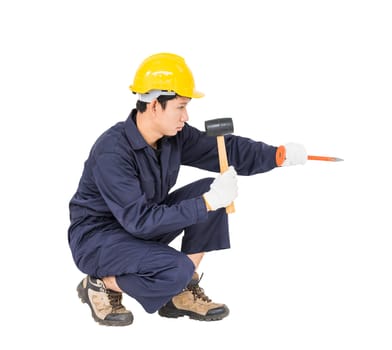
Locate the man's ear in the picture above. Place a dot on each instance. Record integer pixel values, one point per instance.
(153, 105)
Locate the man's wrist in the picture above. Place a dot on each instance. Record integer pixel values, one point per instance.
(208, 206)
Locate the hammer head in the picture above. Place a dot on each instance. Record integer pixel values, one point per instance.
(219, 127)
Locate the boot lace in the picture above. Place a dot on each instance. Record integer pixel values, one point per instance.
(197, 291)
(115, 300)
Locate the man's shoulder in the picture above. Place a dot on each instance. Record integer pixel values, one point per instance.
(111, 140)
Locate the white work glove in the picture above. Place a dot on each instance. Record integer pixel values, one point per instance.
(295, 154)
(223, 190)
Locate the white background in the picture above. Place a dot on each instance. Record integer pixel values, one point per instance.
(310, 264)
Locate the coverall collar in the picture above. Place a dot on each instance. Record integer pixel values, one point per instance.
(134, 136)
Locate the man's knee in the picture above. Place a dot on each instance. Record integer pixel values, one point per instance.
(183, 272)
(203, 185)
(191, 190)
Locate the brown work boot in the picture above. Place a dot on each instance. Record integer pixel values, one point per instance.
(105, 304)
(192, 302)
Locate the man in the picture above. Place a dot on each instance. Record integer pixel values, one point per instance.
(123, 215)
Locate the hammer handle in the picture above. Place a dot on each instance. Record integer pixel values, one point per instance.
(224, 165)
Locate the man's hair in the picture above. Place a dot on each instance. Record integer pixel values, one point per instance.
(142, 106)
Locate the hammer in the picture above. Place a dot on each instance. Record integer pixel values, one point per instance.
(220, 127)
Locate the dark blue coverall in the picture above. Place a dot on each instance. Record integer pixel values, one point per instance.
(123, 216)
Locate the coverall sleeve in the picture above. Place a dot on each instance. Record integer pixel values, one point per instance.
(119, 185)
(248, 157)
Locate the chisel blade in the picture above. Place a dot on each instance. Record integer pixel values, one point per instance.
(328, 159)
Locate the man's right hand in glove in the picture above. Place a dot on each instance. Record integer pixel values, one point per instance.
(295, 154)
(223, 190)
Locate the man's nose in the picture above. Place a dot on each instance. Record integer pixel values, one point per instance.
(184, 116)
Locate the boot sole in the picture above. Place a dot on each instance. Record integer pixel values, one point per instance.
(85, 300)
(175, 313)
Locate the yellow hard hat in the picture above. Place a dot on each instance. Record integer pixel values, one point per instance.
(165, 71)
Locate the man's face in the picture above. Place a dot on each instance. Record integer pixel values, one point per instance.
(171, 120)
